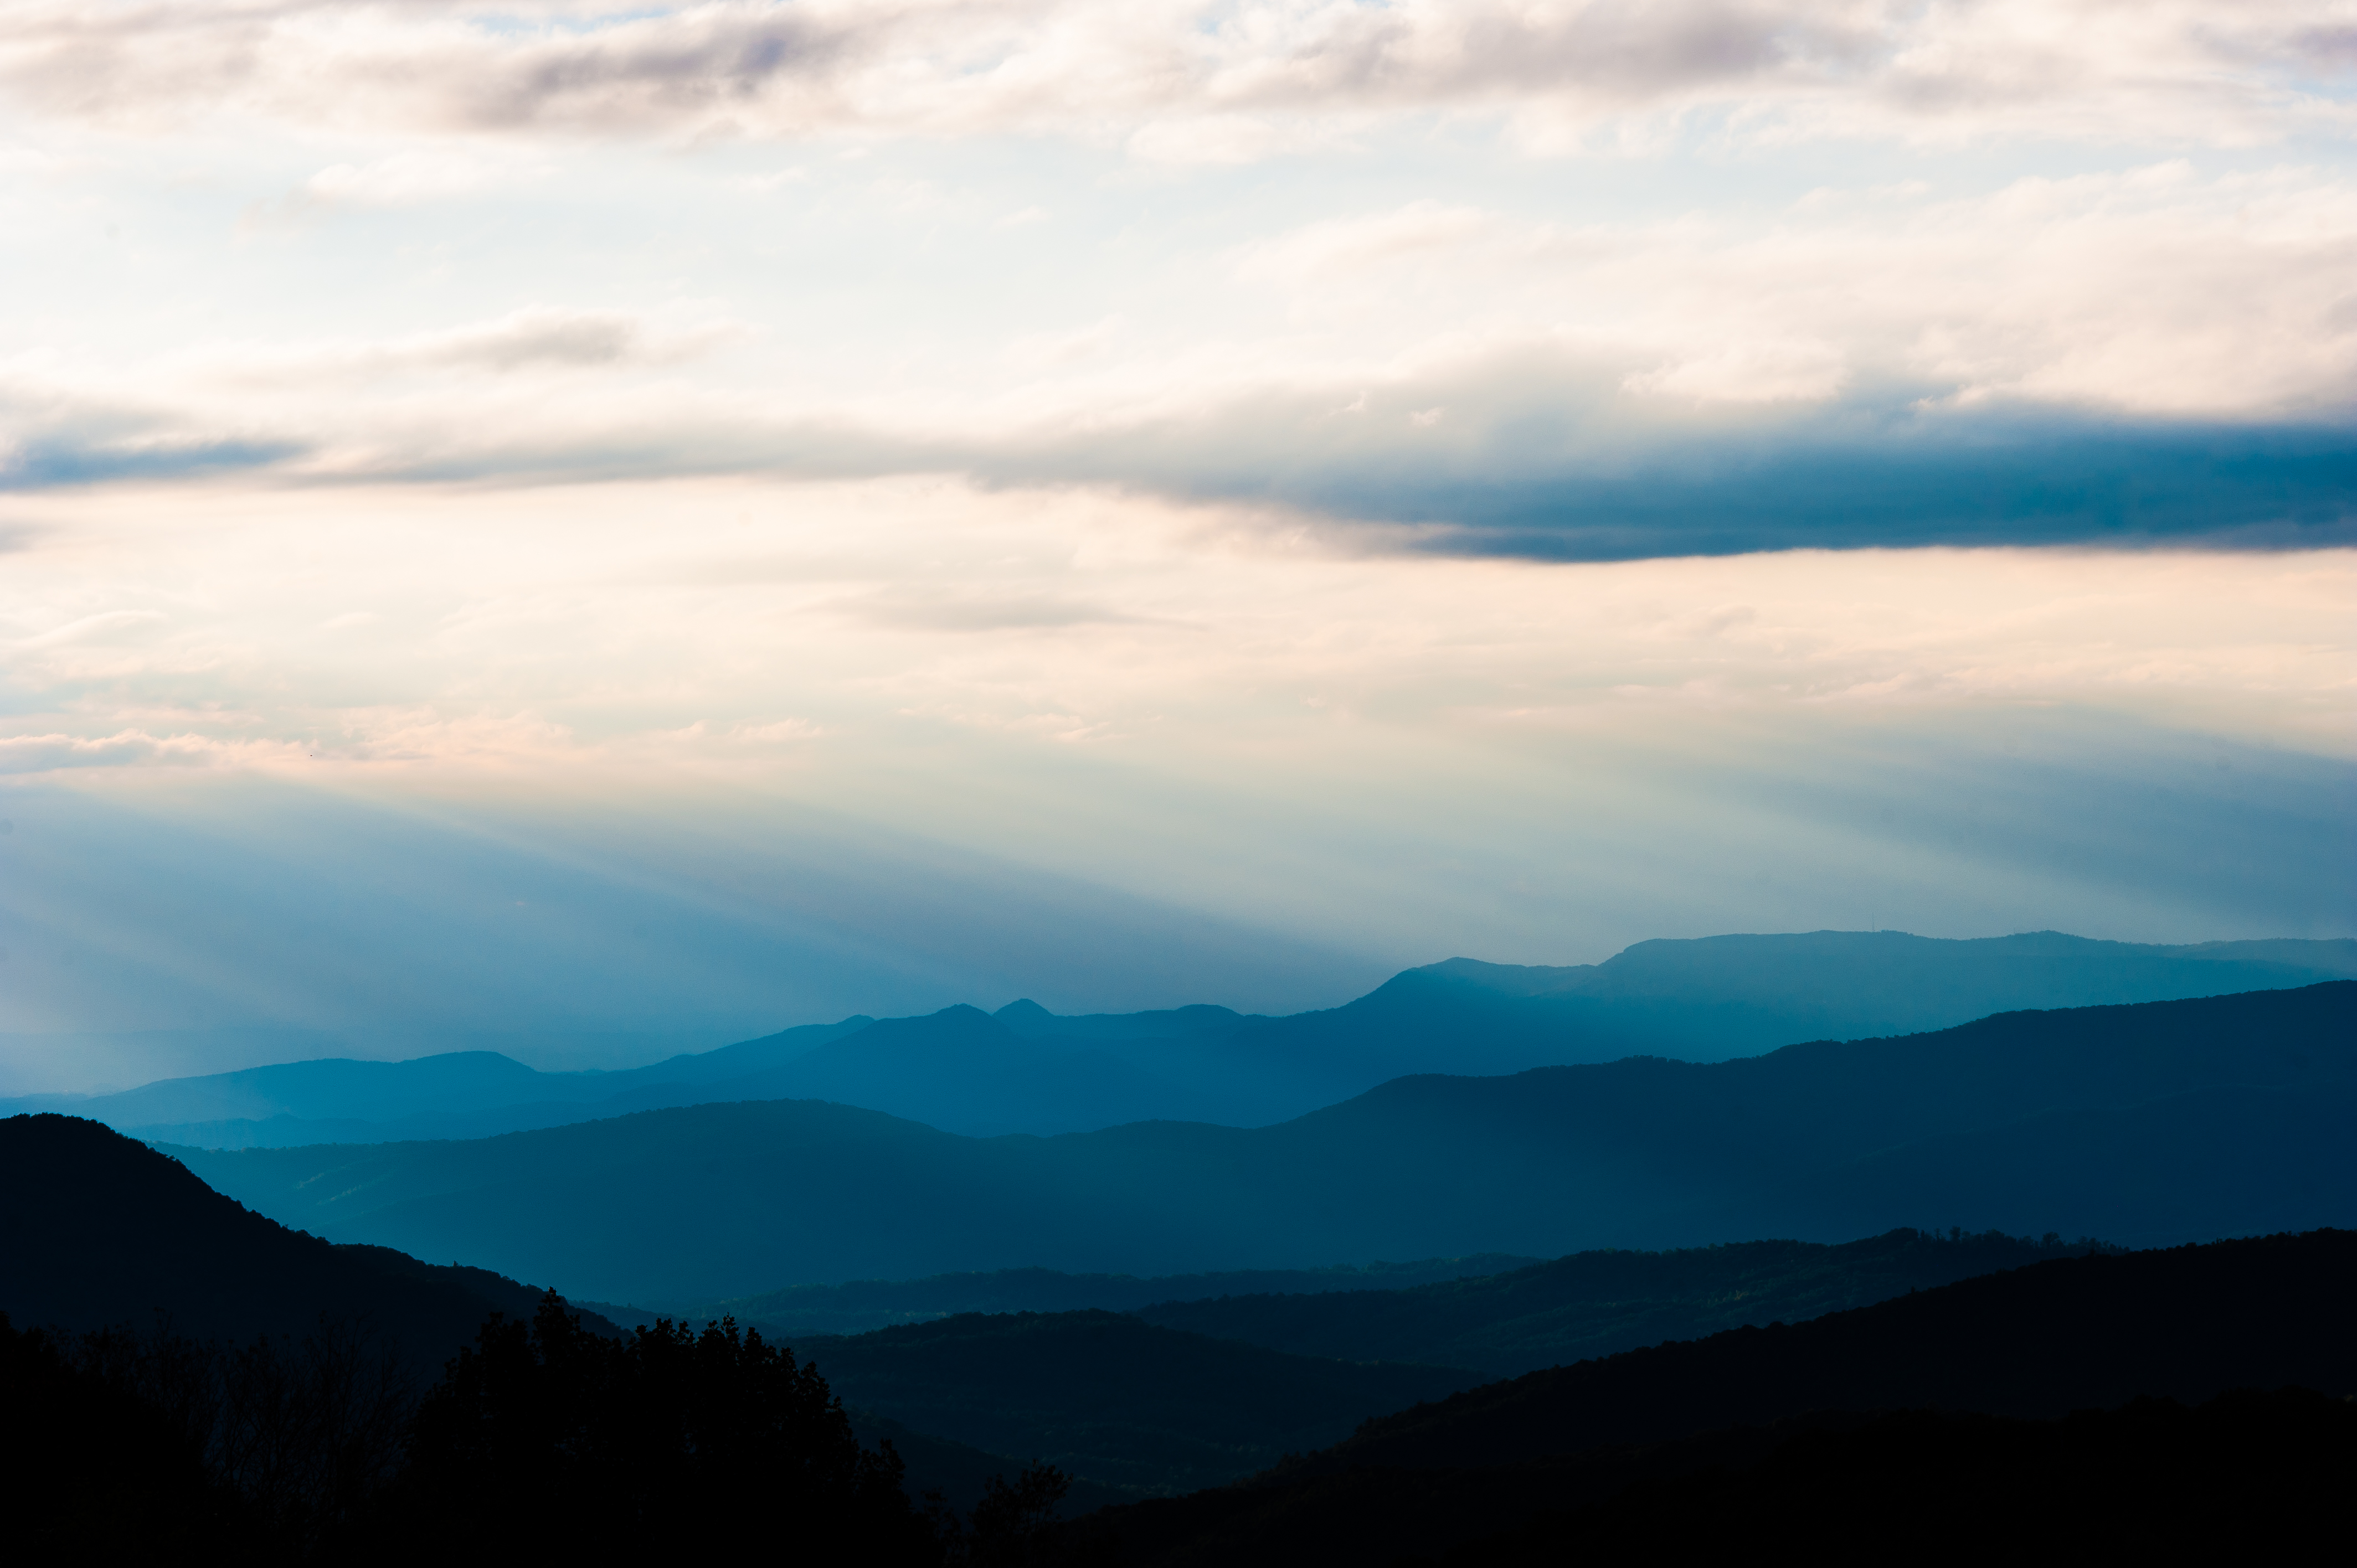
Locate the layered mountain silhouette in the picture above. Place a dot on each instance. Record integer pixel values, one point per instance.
(1596, 1304)
(1106, 1397)
(859, 1306)
(2088, 1334)
(1126, 1402)
(2145, 1124)
(457, 1094)
(2249, 1474)
(99, 1231)
(1025, 1069)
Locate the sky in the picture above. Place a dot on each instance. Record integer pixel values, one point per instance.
(607, 530)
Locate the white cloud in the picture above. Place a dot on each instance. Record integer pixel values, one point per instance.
(88, 627)
(402, 179)
(22, 754)
(1316, 253)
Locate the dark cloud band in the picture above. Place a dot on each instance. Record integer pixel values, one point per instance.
(2234, 487)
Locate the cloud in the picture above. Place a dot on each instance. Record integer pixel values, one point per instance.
(415, 176)
(2149, 354)
(1539, 454)
(128, 748)
(972, 611)
(1316, 252)
(532, 337)
(77, 458)
(403, 179)
(1192, 80)
(87, 628)
(1550, 450)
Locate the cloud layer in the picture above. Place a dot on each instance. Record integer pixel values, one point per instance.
(1194, 80)
(1845, 274)
(2116, 359)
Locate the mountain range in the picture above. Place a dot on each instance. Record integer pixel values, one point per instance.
(1332, 1427)
(1201, 1388)
(1597, 1304)
(1025, 1070)
(2083, 1334)
(2147, 1125)
(103, 1232)
(1106, 1397)
(1196, 1389)
(858, 1306)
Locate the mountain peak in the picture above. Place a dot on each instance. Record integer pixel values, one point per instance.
(1022, 1010)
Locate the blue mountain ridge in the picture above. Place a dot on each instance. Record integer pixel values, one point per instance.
(2145, 1125)
(1025, 1070)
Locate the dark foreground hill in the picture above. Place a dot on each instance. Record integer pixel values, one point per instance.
(2252, 1475)
(1595, 1303)
(2091, 1333)
(97, 1231)
(2144, 1125)
(1027, 1070)
(1112, 1399)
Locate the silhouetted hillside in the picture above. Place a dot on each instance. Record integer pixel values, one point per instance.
(1594, 1304)
(2079, 1334)
(100, 1230)
(2248, 1476)
(2074, 1334)
(1113, 1400)
(721, 1200)
(861, 1305)
(1025, 1069)
(959, 1472)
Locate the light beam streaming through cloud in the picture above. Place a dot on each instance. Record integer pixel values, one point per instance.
(1275, 490)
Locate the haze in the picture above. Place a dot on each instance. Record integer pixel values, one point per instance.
(617, 531)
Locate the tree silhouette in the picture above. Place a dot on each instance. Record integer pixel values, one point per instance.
(547, 1438)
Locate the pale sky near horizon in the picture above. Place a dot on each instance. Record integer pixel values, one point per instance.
(693, 520)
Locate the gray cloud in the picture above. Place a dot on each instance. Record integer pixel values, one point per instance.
(66, 458)
(538, 337)
(1547, 456)
(1525, 453)
(816, 66)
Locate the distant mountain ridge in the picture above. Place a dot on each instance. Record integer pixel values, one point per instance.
(1027, 1070)
(859, 1306)
(1597, 1303)
(2145, 1125)
(462, 1094)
